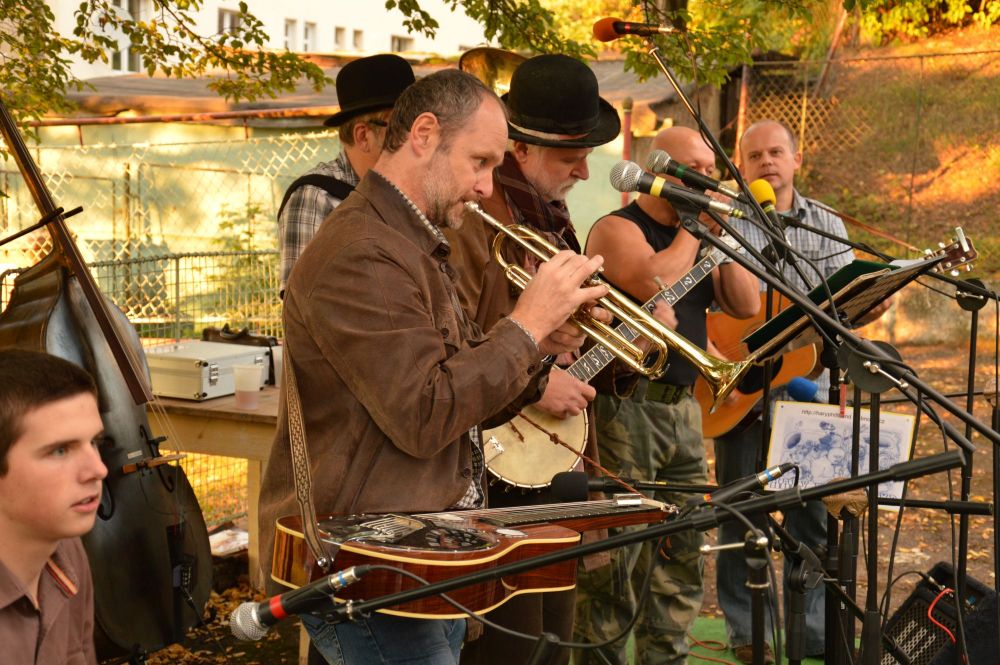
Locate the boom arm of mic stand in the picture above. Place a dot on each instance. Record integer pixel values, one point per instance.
(888, 366)
(654, 51)
(700, 519)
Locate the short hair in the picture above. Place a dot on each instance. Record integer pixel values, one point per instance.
(29, 380)
(346, 129)
(450, 94)
(792, 141)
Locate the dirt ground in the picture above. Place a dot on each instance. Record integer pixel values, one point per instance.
(925, 537)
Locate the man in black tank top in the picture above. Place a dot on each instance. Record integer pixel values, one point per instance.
(654, 432)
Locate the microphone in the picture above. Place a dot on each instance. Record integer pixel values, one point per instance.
(763, 193)
(803, 390)
(609, 29)
(250, 621)
(747, 484)
(661, 162)
(575, 485)
(628, 176)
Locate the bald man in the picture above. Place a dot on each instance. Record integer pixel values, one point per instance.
(654, 431)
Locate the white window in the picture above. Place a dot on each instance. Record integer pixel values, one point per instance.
(291, 28)
(359, 40)
(134, 62)
(399, 44)
(338, 37)
(309, 37)
(229, 20)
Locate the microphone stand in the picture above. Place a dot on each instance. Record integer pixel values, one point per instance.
(873, 361)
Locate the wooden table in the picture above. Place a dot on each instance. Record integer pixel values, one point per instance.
(217, 427)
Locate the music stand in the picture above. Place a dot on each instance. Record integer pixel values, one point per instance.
(856, 288)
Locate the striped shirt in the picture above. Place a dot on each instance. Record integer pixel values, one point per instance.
(827, 255)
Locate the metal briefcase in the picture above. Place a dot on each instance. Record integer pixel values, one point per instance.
(192, 369)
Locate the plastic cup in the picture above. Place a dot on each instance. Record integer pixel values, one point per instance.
(247, 381)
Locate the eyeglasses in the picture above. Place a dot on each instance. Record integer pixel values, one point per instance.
(378, 123)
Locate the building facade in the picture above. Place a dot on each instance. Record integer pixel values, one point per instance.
(340, 27)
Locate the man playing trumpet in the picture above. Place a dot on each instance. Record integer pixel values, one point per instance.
(395, 380)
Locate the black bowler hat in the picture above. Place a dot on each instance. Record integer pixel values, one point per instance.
(557, 94)
(369, 84)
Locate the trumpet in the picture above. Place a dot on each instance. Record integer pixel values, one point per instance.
(637, 323)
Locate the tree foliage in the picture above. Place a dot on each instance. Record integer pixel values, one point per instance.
(885, 20)
(712, 37)
(35, 58)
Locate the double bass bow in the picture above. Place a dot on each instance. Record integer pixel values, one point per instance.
(149, 551)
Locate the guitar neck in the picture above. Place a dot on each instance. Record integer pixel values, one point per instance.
(598, 357)
(578, 515)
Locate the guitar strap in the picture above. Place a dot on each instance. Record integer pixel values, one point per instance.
(300, 465)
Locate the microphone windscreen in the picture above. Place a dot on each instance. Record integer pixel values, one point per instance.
(604, 30)
(802, 390)
(625, 176)
(657, 161)
(570, 486)
(244, 624)
(763, 192)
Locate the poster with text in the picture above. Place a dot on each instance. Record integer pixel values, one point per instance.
(818, 439)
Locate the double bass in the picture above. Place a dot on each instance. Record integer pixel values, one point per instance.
(149, 551)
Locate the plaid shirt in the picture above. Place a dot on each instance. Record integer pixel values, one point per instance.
(306, 209)
(827, 255)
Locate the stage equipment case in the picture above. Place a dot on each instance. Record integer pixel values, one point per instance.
(198, 370)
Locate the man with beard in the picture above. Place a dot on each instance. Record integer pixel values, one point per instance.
(556, 119)
(654, 432)
(394, 379)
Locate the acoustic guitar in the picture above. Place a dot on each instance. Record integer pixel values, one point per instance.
(439, 546)
(728, 334)
(522, 451)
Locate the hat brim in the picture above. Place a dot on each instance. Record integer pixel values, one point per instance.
(609, 126)
(343, 115)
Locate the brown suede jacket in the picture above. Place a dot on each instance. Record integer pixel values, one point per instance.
(391, 375)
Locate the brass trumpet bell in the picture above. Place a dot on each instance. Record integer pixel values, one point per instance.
(637, 323)
(492, 66)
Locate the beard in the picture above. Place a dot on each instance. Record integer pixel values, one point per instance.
(554, 191)
(445, 207)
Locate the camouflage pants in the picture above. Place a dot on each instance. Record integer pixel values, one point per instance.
(648, 441)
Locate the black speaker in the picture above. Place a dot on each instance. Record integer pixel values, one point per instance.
(914, 633)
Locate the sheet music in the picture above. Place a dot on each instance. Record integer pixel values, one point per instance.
(855, 299)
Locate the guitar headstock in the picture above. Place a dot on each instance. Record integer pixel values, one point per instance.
(958, 255)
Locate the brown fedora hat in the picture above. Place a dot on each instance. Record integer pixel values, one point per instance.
(557, 94)
(369, 84)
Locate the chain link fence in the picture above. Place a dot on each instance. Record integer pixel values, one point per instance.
(151, 213)
(175, 296)
(909, 144)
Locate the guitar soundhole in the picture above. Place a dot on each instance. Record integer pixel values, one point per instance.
(454, 540)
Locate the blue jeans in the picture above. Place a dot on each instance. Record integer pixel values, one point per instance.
(735, 457)
(384, 639)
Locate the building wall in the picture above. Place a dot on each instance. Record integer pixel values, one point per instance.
(324, 26)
